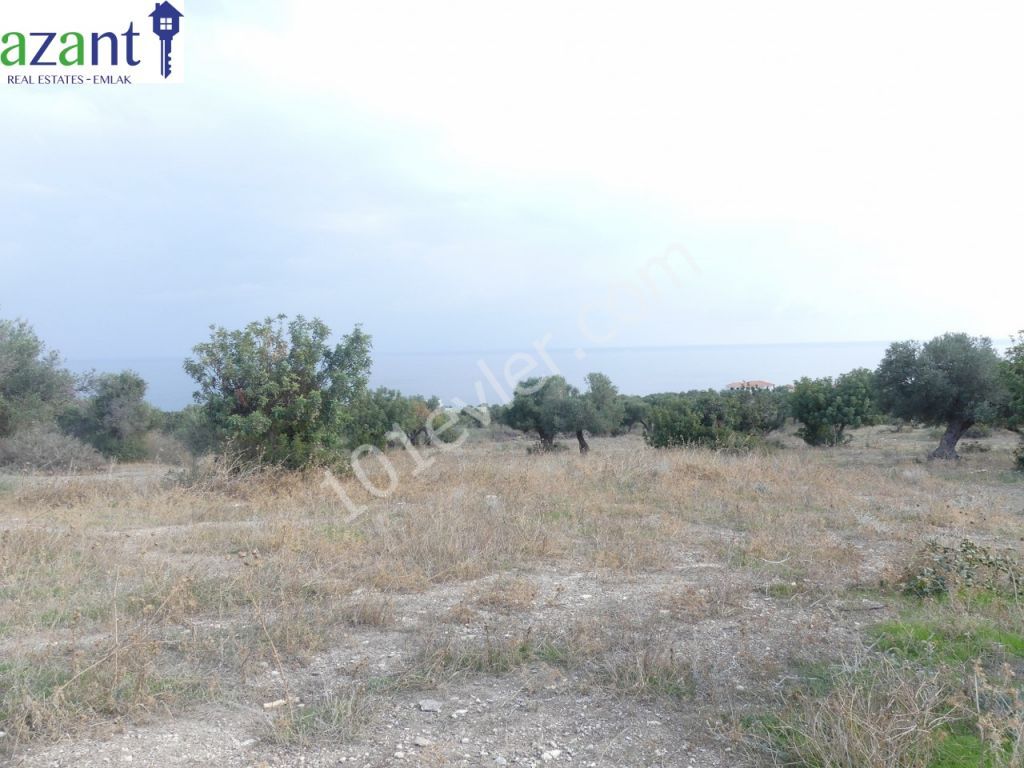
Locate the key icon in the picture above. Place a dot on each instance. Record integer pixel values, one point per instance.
(166, 23)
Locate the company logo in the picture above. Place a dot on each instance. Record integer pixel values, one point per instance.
(166, 23)
(107, 57)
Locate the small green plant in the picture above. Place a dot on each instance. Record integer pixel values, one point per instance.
(877, 713)
(650, 671)
(939, 570)
(443, 658)
(949, 642)
(335, 715)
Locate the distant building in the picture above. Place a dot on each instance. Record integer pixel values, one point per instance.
(750, 386)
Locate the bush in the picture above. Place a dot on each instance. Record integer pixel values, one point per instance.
(277, 392)
(827, 408)
(695, 421)
(939, 570)
(1018, 457)
(33, 385)
(114, 418)
(43, 449)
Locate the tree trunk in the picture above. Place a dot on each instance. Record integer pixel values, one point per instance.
(947, 445)
(546, 441)
(584, 448)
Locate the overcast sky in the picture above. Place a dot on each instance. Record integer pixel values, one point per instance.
(474, 175)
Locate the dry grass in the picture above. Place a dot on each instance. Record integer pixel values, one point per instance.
(878, 714)
(130, 594)
(507, 594)
(623, 656)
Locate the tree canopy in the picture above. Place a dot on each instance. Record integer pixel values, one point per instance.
(114, 417)
(953, 380)
(1013, 378)
(550, 406)
(34, 386)
(826, 408)
(708, 418)
(278, 392)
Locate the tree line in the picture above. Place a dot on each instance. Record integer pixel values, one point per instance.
(277, 391)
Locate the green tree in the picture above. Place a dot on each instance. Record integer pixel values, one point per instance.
(550, 406)
(635, 410)
(276, 391)
(675, 422)
(953, 381)
(540, 405)
(377, 413)
(826, 408)
(756, 412)
(599, 410)
(34, 387)
(1013, 377)
(719, 420)
(114, 416)
(384, 416)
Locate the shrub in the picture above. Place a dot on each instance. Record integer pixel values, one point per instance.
(938, 570)
(115, 417)
(44, 449)
(827, 408)
(33, 385)
(683, 421)
(275, 391)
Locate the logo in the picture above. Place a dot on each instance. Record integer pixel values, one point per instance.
(166, 23)
(121, 50)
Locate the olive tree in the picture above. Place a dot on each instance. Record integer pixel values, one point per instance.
(635, 410)
(550, 406)
(276, 391)
(952, 381)
(599, 410)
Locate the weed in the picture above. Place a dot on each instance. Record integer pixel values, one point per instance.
(949, 641)
(878, 713)
(334, 715)
(939, 570)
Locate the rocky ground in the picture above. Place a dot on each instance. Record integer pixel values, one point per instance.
(604, 645)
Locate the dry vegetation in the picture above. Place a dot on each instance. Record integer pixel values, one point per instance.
(632, 607)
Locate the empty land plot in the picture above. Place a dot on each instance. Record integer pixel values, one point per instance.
(630, 607)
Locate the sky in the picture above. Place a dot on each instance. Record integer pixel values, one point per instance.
(472, 176)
